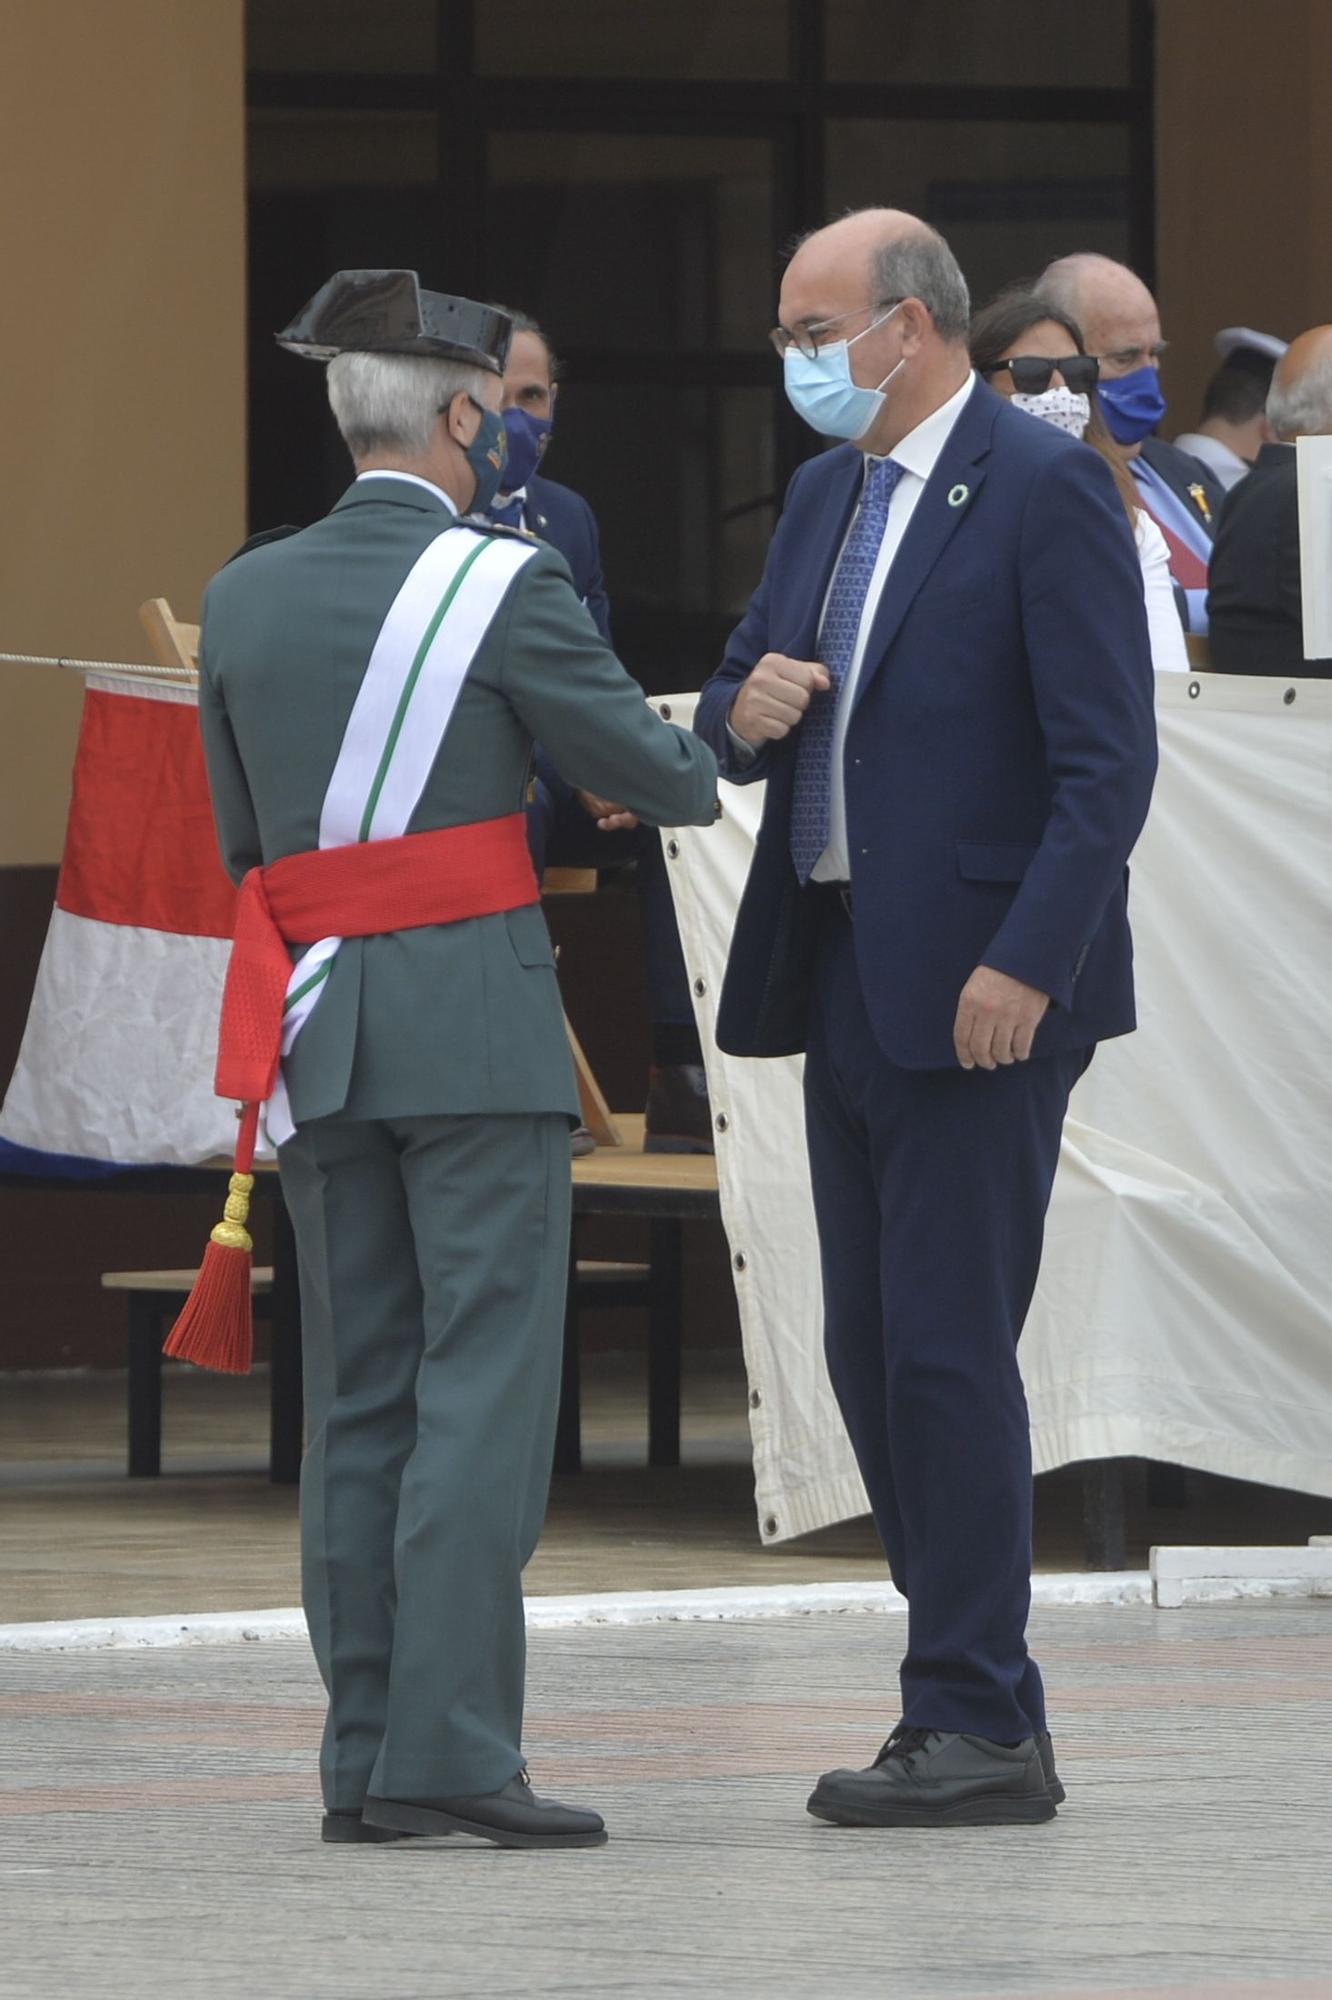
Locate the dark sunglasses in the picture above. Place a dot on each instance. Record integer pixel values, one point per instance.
(1031, 372)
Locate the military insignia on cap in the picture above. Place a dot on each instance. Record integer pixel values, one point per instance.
(958, 496)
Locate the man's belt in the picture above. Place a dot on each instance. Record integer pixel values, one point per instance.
(362, 890)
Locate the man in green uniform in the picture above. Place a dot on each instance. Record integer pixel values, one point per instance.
(381, 676)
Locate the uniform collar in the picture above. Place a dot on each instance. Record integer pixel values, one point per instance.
(400, 479)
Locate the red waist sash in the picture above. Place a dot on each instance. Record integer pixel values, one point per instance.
(358, 891)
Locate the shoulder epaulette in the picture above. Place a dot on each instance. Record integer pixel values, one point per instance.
(485, 526)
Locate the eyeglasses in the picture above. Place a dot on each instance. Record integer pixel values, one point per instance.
(1031, 372)
(808, 340)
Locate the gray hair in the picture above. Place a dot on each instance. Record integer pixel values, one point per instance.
(921, 266)
(1302, 407)
(389, 402)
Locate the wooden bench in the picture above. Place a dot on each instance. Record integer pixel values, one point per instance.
(154, 1298)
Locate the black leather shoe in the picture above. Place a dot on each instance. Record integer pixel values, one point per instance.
(349, 1829)
(924, 1777)
(1045, 1749)
(512, 1817)
(679, 1117)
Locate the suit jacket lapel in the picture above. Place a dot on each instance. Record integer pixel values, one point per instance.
(950, 493)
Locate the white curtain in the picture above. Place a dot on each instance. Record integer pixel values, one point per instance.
(1183, 1310)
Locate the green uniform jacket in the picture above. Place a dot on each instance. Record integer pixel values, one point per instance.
(452, 1019)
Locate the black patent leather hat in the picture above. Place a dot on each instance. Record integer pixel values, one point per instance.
(386, 312)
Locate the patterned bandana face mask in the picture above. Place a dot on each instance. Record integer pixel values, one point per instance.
(1060, 407)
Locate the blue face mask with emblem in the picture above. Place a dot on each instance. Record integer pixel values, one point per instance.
(487, 455)
(1133, 404)
(527, 437)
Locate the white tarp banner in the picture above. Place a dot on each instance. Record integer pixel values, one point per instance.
(1184, 1310)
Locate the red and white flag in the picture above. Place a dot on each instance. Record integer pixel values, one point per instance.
(118, 1054)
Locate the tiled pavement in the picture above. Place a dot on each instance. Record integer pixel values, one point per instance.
(158, 1828)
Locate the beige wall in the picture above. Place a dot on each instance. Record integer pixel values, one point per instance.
(122, 350)
(1244, 177)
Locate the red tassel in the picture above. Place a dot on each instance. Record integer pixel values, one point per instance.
(216, 1325)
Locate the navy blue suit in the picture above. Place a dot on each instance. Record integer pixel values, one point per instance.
(998, 766)
(558, 828)
(563, 518)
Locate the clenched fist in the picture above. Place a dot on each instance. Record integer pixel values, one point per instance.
(775, 697)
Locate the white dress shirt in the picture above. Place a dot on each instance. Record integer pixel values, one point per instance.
(918, 454)
(412, 478)
(1228, 466)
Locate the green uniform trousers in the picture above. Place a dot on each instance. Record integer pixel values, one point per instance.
(433, 1263)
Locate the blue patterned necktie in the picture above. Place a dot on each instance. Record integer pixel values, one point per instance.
(811, 805)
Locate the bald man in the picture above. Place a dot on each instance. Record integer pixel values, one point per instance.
(945, 678)
(1256, 599)
(1122, 327)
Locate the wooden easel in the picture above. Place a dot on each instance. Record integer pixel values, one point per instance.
(177, 645)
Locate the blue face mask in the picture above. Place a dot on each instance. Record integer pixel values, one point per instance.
(822, 392)
(1133, 404)
(528, 437)
(487, 455)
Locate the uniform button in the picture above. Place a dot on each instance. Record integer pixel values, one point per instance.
(755, 1400)
(700, 988)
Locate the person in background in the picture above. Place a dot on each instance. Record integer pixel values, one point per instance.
(1256, 598)
(1122, 328)
(1034, 354)
(574, 829)
(944, 679)
(1233, 427)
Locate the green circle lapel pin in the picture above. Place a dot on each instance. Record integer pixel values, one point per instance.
(958, 496)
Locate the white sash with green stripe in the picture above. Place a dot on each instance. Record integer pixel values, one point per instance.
(421, 658)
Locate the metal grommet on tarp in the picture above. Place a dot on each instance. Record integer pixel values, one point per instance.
(1289, 696)
(1195, 689)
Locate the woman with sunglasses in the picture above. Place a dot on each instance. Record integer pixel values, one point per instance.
(1033, 354)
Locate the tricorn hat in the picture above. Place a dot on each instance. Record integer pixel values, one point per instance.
(386, 312)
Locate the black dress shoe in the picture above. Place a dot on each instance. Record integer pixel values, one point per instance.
(349, 1829)
(679, 1117)
(1045, 1749)
(926, 1777)
(512, 1817)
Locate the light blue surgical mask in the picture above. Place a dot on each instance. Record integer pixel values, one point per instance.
(819, 388)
